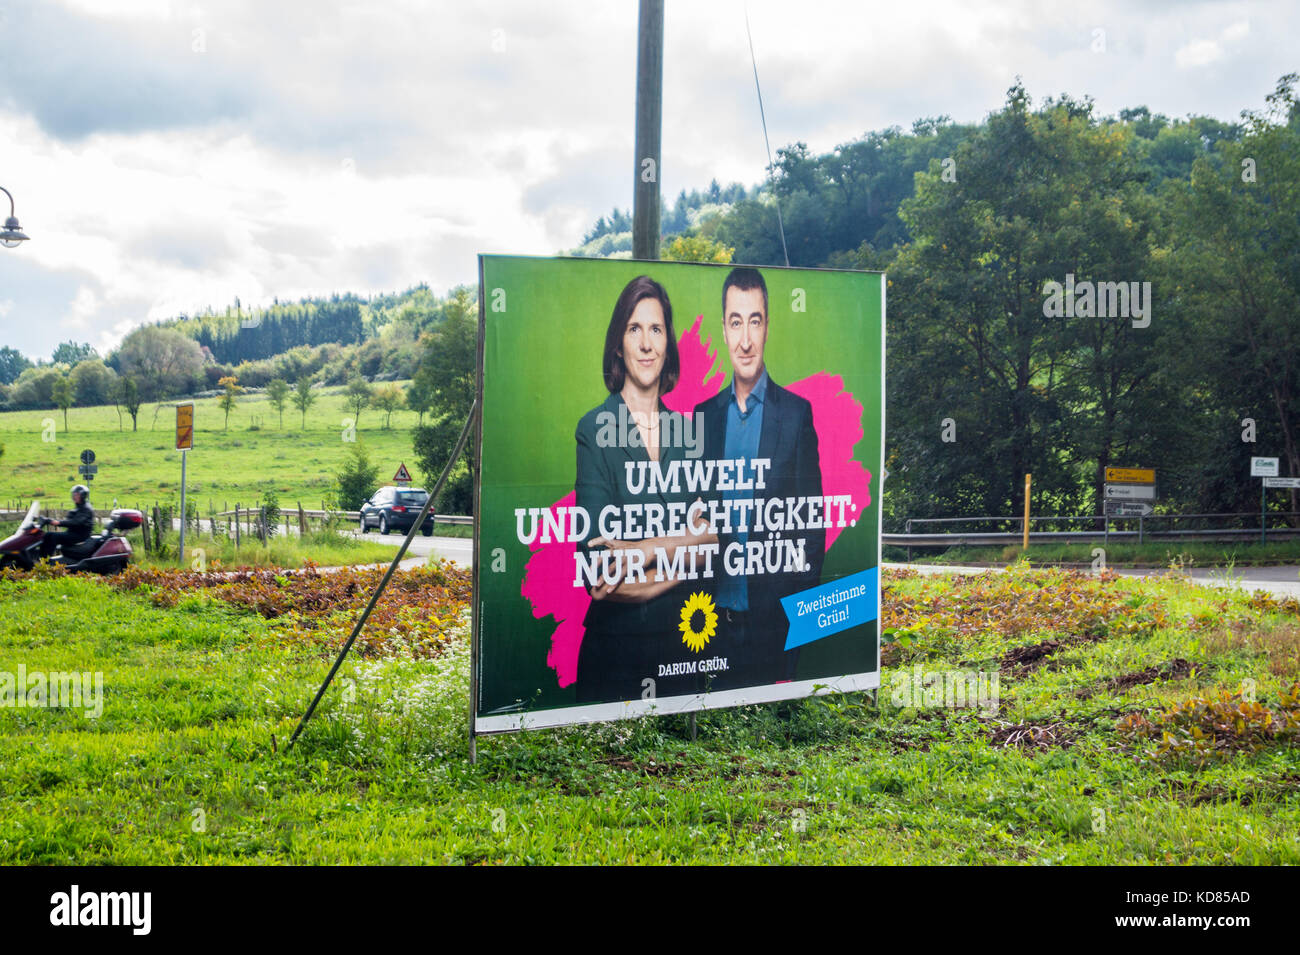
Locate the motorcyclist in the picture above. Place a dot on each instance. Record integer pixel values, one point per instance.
(80, 522)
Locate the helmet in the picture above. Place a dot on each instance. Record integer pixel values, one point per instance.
(80, 488)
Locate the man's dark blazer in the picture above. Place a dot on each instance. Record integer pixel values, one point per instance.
(789, 441)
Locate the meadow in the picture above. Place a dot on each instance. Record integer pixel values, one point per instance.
(1133, 722)
(227, 465)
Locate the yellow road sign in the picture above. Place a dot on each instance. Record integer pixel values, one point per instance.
(184, 427)
(1130, 475)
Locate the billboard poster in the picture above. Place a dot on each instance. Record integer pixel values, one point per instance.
(678, 487)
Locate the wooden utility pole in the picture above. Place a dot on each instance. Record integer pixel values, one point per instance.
(649, 125)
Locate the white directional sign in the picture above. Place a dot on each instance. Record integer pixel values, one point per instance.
(1128, 509)
(1263, 467)
(1281, 482)
(1130, 492)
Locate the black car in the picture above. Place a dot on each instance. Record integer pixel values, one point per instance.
(395, 508)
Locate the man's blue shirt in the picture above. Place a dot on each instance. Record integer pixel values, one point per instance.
(743, 431)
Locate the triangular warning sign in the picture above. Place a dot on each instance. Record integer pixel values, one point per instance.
(402, 476)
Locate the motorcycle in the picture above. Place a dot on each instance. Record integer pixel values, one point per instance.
(106, 553)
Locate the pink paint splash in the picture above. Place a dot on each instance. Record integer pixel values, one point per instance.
(837, 419)
(548, 578)
(698, 381)
(548, 586)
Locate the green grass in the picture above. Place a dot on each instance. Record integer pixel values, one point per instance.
(1118, 554)
(187, 762)
(225, 467)
(324, 548)
(453, 530)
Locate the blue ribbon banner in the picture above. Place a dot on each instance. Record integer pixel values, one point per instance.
(831, 608)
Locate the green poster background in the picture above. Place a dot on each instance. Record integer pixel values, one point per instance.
(543, 324)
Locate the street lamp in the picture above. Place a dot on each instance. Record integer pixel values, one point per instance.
(12, 236)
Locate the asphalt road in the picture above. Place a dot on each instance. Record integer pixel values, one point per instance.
(1283, 581)
(459, 550)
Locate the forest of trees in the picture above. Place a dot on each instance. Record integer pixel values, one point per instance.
(241, 334)
(328, 339)
(985, 382)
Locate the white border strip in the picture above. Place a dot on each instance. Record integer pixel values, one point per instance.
(670, 705)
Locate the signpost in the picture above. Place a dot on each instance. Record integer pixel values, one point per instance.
(1267, 469)
(88, 468)
(1282, 482)
(1029, 480)
(1125, 489)
(184, 442)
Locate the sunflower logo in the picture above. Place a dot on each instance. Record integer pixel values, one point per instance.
(699, 621)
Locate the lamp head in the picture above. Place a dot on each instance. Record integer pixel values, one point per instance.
(12, 236)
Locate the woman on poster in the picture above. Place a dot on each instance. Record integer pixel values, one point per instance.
(634, 625)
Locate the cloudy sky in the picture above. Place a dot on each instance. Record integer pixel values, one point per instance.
(166, 156)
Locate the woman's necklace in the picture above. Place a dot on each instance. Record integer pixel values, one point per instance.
(649, 432)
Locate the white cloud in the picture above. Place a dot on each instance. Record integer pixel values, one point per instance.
(1237, 31)
(1198, 53)
(333, 146)
(1203, 52)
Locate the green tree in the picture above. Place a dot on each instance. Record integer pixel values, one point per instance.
(165, 360)
(304, 397)
(35, 387)
(231, 391)
(93, 382)
(62, 395)
(127, 398)
(277, 395)
(12, 364)
(695, 248)
(448, 371)
(1037, 195)
(356, 396)
(357, 479)
(1237, 226)
(418, 397)
(271, 508)
(72, 353)
(388, 398)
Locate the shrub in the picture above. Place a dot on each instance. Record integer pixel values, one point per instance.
(357, 480)
(1205, 726)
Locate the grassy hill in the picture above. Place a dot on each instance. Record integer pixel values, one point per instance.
(226, 466)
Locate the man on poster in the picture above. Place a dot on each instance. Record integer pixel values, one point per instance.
(754, 418)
